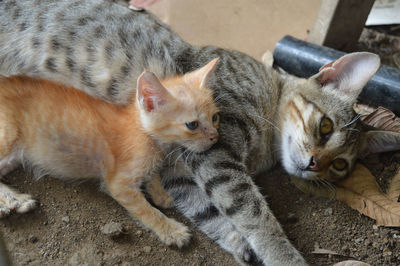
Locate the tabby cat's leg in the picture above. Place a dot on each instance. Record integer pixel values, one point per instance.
(192, 202)
(126, 190)
(158, 194)
(235, 195)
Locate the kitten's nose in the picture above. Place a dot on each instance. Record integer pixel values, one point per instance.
(214, 137)
(313, 165)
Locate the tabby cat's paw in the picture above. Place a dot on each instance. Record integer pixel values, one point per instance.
(15, 202)
(241, 250)
(248, 257)
(175, 233)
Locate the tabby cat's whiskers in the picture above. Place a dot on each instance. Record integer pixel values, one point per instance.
(266, 120)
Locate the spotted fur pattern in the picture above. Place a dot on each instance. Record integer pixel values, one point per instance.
(101, 48)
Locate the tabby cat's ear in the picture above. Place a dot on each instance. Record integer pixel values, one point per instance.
(151, 94)
(202, 75)
(349, 73)
(376, 141)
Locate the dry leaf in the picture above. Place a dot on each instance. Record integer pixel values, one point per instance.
(351, 263)
(394, 188)
(363, 109)
(361, 192)
(324, 251)
(383, 119)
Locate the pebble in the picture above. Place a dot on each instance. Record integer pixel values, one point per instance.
(375, 227)
(359, 240)
(147, 249)
(112, 229)
(328, 212)
(291, 218)
(139, 232)
(33, 239)
(65, 219)
(386, 252)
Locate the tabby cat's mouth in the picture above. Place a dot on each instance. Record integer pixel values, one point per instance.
(296, 168)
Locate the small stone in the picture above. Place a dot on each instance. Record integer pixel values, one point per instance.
(358, 240)
(112, 229)
(139, 232)
(147, 249)
(375, 227)
(65, 219)
(291, 218)
(328, 212)
(345, 248)
(33, 239)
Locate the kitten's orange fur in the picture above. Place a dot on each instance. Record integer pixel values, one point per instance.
(67, 133)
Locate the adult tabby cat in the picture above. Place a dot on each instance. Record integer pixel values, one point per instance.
(101, 48)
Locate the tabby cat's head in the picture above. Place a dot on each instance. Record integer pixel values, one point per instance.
(179, 110)
(320, 139)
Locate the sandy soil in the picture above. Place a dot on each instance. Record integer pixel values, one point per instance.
(67, 226)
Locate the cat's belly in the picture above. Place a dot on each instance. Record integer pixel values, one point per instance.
(68, 157)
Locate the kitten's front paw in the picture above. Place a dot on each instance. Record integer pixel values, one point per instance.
(15, 202)
(174, 233)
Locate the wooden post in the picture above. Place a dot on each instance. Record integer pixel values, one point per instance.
(339, 23)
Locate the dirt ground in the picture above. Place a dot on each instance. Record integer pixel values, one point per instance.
(67, 226)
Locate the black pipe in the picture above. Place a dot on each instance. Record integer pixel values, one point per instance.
(304, 59)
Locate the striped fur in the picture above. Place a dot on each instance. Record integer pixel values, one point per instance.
(100, 48)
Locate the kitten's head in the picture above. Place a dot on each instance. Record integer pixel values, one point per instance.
(320, 139)
(179, 110)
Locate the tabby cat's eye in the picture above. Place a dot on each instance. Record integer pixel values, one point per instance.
(339, 164)
(215, 118)
(192, 125)
(326, 126)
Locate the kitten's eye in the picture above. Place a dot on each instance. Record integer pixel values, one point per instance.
(339, 164)
(192, 125)
(326, 126)
(215, 118)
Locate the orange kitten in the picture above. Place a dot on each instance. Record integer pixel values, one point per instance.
(64, 132)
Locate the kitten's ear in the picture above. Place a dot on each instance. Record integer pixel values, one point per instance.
(150, 93)
(350, 73)
(376, 141)
(202, 75)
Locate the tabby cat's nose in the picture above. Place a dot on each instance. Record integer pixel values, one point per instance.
(313, 165)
